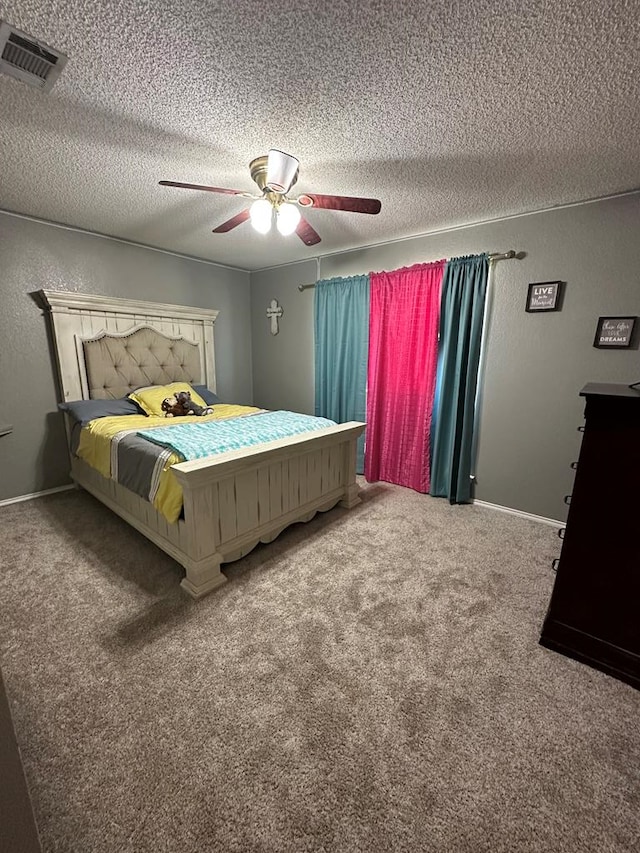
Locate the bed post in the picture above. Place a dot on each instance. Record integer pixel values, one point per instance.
(351, 489)
(202, 559)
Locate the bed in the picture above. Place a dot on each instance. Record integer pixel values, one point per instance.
(106, 348)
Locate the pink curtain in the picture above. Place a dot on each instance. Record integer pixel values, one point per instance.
(403, 357)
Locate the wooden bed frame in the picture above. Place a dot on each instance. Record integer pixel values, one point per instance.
(233, 500)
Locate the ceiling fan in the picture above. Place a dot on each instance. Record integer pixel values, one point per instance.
(275, 174)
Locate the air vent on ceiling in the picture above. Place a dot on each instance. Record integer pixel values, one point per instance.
(28, 59)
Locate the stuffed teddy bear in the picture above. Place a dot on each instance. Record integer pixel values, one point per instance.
(191, 408)
(172, 408)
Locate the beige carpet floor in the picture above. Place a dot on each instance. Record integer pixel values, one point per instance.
(370, 681)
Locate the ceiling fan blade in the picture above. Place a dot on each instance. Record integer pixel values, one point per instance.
(306, 233)
(340, 202)
(201, 187)
(236, 220)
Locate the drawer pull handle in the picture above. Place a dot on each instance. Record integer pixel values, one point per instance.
(554, 564)
(574, 466)
(581, 429)
(567, 500)
(561, 532)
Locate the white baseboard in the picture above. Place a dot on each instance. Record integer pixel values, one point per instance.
(36, 495)
(540, 518)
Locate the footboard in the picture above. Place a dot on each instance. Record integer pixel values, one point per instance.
(235, 500)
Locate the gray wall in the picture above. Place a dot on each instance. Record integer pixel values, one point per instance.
(36, 256)
(283, 364)
(535, 364)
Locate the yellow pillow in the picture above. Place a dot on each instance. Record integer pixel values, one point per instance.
(150, 398)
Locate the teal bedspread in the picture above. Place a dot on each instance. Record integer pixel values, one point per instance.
(197, 439)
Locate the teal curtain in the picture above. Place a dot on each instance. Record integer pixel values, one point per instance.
(464, 290)
(341, 326)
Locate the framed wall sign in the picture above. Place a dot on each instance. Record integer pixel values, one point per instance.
(614, 332)
(544, 296)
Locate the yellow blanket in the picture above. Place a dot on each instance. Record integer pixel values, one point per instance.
(95, 449)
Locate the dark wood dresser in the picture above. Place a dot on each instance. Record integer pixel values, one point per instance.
(594, 613)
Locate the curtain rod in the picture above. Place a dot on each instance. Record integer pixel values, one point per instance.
(496, 256)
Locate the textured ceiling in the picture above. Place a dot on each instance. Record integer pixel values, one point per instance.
(449, 112)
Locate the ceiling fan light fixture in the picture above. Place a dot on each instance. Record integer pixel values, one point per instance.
(288, 219)
(260, 213)
(281, 171)
(275, 173)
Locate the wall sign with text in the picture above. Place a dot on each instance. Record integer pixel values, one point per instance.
(614, 332)
(544, 296)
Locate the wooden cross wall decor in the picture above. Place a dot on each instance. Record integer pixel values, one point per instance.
(274, 312)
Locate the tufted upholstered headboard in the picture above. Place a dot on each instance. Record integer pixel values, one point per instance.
(118, 364)
(106, 347)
